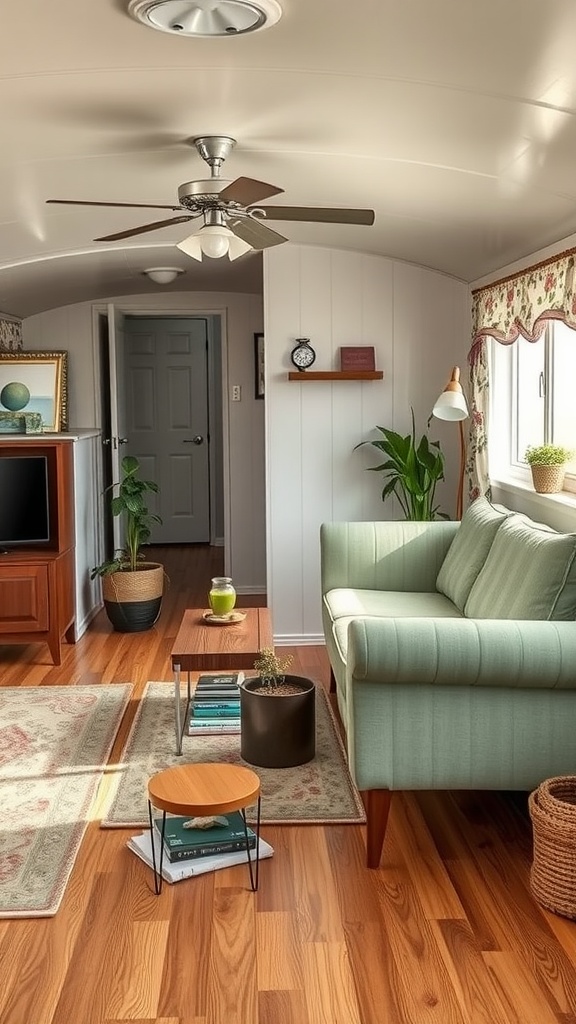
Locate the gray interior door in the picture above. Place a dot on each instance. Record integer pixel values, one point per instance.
(166, 417)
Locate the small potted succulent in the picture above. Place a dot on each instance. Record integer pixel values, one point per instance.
(278, 714)
(548, 465)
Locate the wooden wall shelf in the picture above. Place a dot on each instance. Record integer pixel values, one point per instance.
(303, 375)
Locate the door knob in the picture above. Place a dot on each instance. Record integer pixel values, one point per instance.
(122, 440)
(198, 439)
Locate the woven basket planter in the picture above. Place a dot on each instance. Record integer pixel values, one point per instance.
(553, 875)
(548, 479)
(133, 599)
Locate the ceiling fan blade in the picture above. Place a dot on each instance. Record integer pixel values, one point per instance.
(321, 214)
(144, 228)
(143, 206)
(247, 191)
(253, 231)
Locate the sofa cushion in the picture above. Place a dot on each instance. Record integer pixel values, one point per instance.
(530, 573)
(469, 550)
(353, 603)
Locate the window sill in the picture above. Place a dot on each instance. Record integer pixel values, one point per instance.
(517, 485)
(556, 510)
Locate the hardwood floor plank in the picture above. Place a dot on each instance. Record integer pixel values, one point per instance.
(278, 952)
(472, 981)
(282, 1008)
(425, 866)
(518, 990)
(232, 984)
(425, 990)
(329, 985)
(318, 914)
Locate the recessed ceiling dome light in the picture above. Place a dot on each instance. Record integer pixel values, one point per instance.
(163, 275)
(206, 17)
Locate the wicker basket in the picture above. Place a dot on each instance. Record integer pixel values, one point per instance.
(548, 479)
(553, 876)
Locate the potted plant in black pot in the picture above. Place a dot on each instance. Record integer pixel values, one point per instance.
(277, 715)
(131, 587)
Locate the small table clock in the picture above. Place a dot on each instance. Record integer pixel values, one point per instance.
(302, 355)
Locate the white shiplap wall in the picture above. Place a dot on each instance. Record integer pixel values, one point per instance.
(419, 324)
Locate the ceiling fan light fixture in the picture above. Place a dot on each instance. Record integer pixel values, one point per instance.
(213, 241)
(163, 275)
(206, 17)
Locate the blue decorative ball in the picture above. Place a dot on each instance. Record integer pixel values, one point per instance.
(14, 396)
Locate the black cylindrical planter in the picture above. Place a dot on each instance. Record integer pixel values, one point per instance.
(278, 732)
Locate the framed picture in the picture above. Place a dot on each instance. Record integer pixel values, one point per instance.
(259, 366)
(36, 382)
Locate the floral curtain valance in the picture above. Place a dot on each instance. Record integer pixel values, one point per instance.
(514, 307)
(10, 335)
(520, 305)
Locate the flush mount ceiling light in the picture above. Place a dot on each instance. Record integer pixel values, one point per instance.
(214, 240)
(163, 275)
(206, 17)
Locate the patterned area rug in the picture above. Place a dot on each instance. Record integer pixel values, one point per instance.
(54, 744)
(320, 792)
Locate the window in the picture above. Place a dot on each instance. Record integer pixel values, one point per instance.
(532, 398)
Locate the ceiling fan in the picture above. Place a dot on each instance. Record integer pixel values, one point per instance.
(231, 211)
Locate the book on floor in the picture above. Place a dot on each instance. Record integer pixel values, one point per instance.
(141, 845)
(182, 843)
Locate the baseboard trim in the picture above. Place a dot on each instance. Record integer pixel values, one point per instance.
(299, 640)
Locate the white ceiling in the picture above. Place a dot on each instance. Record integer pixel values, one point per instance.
(454, 121)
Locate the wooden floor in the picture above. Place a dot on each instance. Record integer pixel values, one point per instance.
(445, 931)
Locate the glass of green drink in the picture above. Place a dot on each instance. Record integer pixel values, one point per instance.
(222, 595)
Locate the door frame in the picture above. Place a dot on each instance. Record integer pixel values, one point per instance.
(208, 314)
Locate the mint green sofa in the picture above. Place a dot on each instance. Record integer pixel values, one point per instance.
(453, 653)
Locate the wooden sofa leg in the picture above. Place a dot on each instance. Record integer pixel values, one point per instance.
(377, 805)
(332, 681)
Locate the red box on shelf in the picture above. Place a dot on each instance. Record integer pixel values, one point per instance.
(357, 357)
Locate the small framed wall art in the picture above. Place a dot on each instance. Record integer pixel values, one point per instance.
(259, 379)
(36, 382)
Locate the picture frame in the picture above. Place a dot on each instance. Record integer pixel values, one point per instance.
(259, 378)
(36, 382)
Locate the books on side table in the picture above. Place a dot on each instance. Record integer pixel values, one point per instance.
(181, 843)
(215, 705)
(175, 871)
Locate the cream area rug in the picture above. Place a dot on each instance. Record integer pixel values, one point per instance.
(54, 744)
(319, 792)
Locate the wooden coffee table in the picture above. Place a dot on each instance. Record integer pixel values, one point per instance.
(200, 647)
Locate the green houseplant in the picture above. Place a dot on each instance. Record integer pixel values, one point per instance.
(131, 587)
(547, 463)
(412, 470)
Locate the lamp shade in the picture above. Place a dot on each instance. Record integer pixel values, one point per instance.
(451, 404)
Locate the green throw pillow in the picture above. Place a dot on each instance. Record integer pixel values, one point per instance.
(530, 573)
(469, 550)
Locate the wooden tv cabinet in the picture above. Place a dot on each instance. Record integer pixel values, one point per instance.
(37, 582)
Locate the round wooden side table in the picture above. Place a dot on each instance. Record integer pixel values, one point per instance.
(203, 790)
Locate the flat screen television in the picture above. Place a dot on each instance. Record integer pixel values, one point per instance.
(24, 504)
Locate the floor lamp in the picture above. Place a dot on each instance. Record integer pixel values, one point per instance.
(451, 405)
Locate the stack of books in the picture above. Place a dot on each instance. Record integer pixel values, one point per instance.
(215, 705)
(175, 871)
(181, 843)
